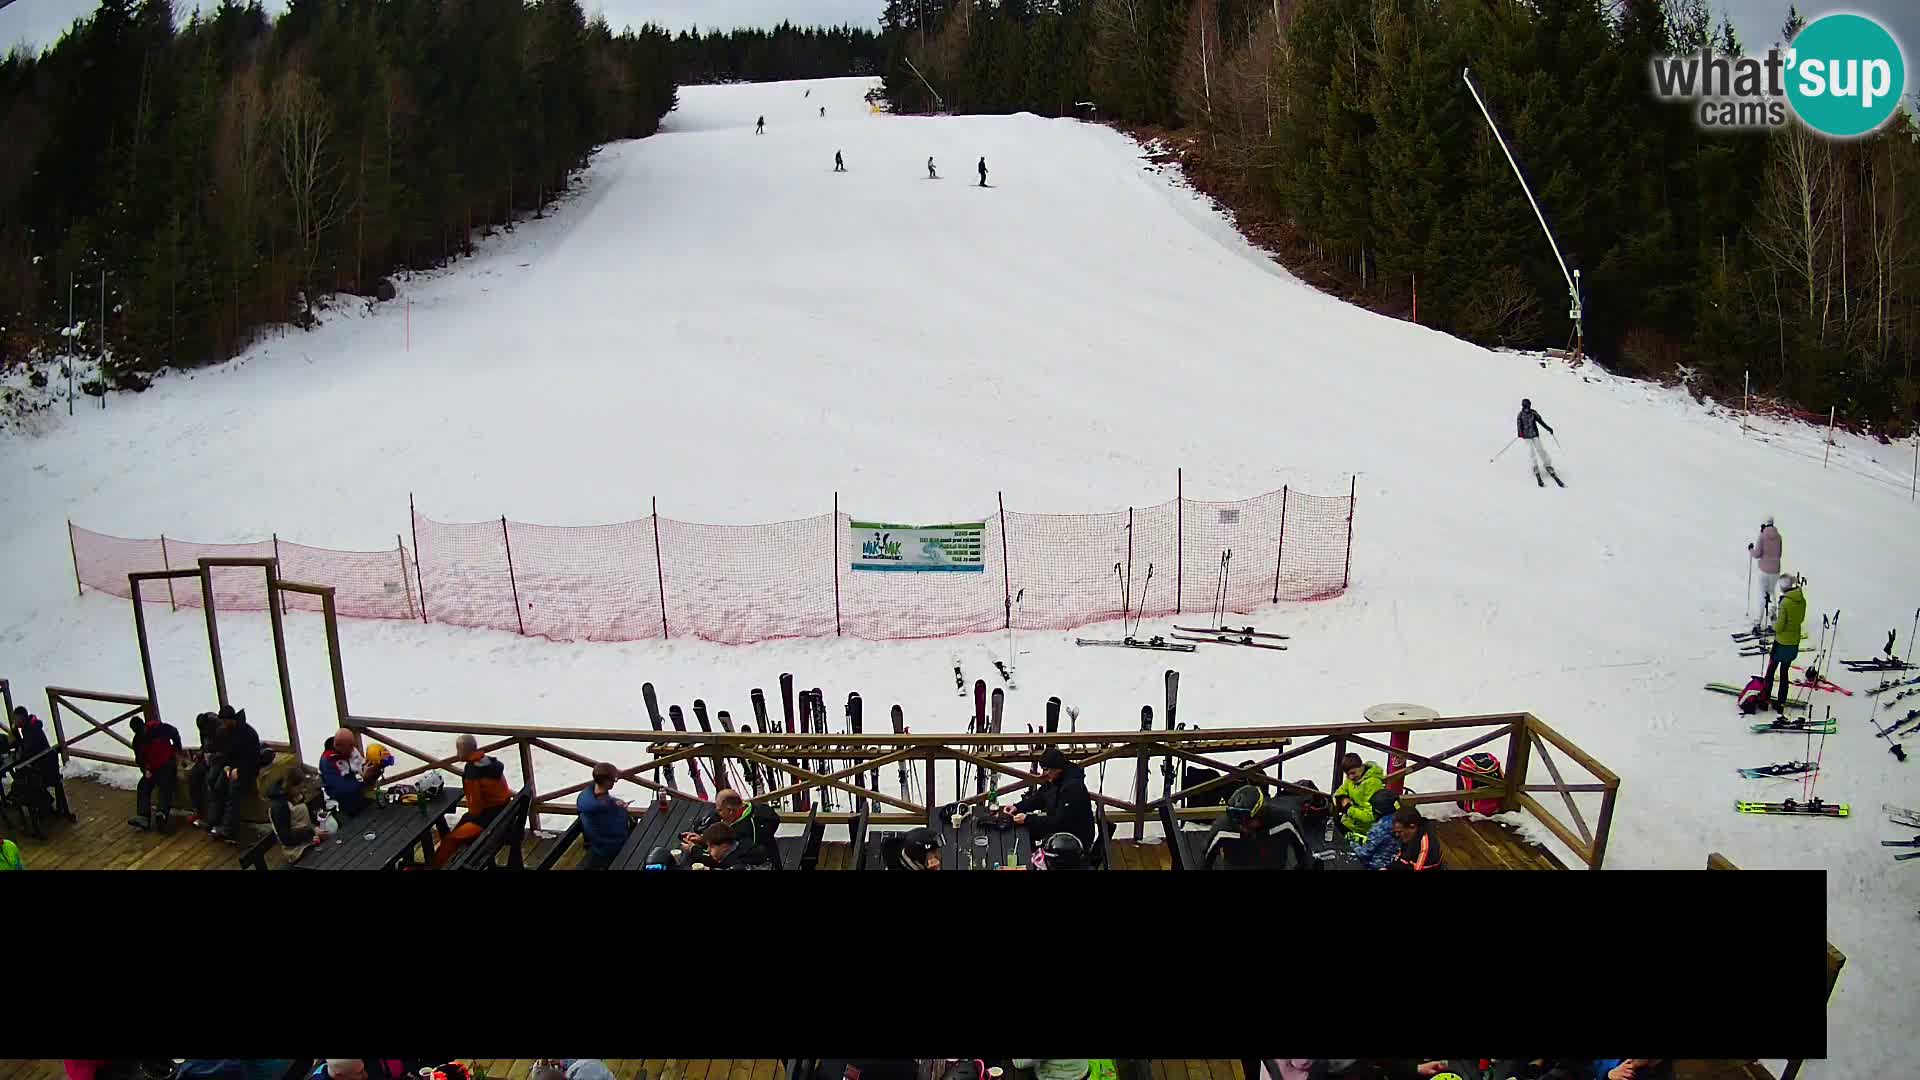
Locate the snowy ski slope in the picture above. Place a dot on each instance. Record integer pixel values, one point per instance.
(717, 318)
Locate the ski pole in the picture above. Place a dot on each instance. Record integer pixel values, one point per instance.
(1504, 449)
(1904, 663)
(1749, 613)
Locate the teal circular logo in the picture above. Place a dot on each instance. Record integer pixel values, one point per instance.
(1845, 75)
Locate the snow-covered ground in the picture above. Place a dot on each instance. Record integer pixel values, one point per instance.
(717, 318)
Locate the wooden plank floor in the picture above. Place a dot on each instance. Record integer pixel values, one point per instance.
(102, 840)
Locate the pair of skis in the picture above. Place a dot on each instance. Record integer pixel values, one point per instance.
(1736, 691)
(1245, 636)
(1550, 472)
(1913, 843)
(1893, 684)
(1153, 644)
(1814, 807)
(1780, 771)
(1799, 726)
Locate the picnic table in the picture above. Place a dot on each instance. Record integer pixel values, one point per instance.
(1002, 846)
(660, 826)
(395, 830)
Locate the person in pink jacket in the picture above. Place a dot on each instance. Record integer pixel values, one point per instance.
(1766, 550)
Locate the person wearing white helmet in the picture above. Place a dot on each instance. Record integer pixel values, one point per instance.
(1766, 551)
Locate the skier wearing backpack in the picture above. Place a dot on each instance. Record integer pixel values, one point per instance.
(1766, 551)
(1529, 424)
(1787, 635)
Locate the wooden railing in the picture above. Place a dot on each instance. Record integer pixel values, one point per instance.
(899, 776)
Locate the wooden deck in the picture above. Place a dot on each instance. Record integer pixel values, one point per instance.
(102, 840)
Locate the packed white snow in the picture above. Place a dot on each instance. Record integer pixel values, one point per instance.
(719, 319)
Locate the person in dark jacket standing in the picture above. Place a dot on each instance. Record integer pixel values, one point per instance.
(1059, 803)
(931, 175)
(983, 172)
(604, 822)
(1529, 424)
(38, 786)
(1255, 834)
(760, 126)
(239, 765)
(754, 823)
(1419, 848)
(156, 746)
(839, 165)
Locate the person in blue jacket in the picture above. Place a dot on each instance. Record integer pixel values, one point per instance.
(604, 822)
(1380, 846)
(345, 774)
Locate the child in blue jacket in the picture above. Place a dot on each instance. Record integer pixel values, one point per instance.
(1380, 846)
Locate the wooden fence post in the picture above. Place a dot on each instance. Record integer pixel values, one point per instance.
(833, 549)
(1281, 553)
(1519, 755)
(413, 520)
(659, 571)
(167, 564)
(74, 551)
(1353, 491)
(508, 540)
(526, 782)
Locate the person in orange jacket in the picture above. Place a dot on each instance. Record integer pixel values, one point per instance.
(484, 780)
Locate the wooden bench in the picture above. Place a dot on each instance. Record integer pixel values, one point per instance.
(506, 831)
(559, 849)
(803, 852)
(864, 859)
(255, 857)
(1187, 848)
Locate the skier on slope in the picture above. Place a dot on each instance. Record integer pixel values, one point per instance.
(1786, 636)
(983, 171)
(760, 126)
(1767, 550)
(1529, 424)
(823, 112)
(931, 175)
(838, 165)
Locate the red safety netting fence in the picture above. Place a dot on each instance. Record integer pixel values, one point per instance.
(657, 577)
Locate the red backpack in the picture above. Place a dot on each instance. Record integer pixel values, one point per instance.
(1485, 765)
(1754, 696)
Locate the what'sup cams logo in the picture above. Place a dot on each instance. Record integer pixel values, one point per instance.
(1843, 75)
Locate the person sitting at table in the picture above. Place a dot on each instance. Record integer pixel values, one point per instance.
(346, 773)
(1419, 848)
(604, 821)
(1255, 835)
(753, 823)
(1380, 847)
(915, 849)
(1059, 803)
(239, 750)
(484, 780)
(294, 806)
(719, 848)
(204, 763)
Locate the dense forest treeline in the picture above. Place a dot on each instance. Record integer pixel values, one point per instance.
(225, 172)
(1778, 252)
(784, 52)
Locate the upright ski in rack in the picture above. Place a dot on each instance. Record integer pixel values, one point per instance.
(653, 717)
(802, 799)
(818, 700)
(997, 709)
(679, 721)
(748, 769)
(856, 726)
(900, 728)
(1053, 715)
(758, 699)
(1173, 708)
(721, 780)
(979, 727)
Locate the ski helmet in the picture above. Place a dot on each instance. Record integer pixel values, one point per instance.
(1062, 851)
(915, 845)
(1383, 803)
(1245, 802)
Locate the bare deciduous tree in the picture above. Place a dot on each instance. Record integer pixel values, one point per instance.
(316, 186)
(1796, 208)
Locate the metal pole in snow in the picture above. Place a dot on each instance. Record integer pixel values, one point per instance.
(1831, 411)
(1746, 399)
(1915, 485)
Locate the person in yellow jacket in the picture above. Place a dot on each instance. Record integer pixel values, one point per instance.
(1791, 616)
(1354, 797)
(10, 856)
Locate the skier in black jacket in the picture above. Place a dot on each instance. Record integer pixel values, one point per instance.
(1255, 834)
(1529, 424)
(239, 749)
(156, 746)
(1060, 803)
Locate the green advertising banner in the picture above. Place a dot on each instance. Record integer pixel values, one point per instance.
(949, 548)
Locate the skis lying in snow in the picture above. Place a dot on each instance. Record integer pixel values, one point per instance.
(1751, 635)
(1821, 682)
(1896, 684)
(1878, 663)
(1901, 696)
(1810, 808)
(1736, 691)
(1236, 631)
(1005, 674)
(1241, 640)
(1901, 815)
(1912, 719)
(1801, 726)
(1789, 768)
(1909, 855)
(1915, 842)
(1156, 643)
(959, 680)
